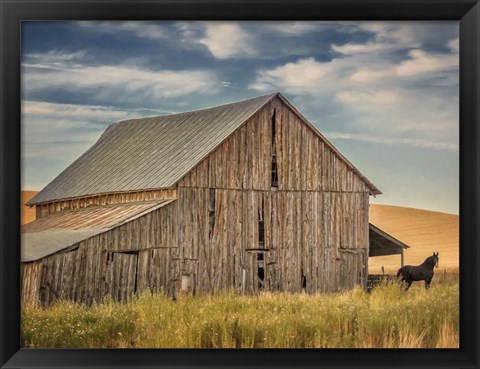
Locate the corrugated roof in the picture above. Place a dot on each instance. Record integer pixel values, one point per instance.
(382, 243)
(63, 229)
(148, 153)
(156, 152)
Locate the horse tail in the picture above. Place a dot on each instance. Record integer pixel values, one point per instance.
(400, 272)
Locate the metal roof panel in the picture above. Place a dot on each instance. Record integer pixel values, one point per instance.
(63, 229)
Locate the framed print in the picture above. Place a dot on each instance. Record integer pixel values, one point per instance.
(246, 184)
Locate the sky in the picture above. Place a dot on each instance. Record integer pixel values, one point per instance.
(386, 94)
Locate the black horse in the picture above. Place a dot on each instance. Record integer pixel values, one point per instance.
(423, 272)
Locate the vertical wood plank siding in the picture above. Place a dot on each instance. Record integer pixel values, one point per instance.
(134, 257)
(299, 249)
(316, 221)
(304, 162)
(310, 232)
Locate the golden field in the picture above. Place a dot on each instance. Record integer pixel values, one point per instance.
(388, 317)
(424, 231)
(27, 213)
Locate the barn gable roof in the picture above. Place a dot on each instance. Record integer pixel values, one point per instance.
(66, 228)
(156, 152)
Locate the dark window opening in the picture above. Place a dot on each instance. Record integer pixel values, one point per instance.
(109, 257)
(260, 270)
(211, 212)
(261, 225)
(274, 172)
(304, 282)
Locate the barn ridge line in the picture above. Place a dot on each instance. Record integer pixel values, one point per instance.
(217, 124)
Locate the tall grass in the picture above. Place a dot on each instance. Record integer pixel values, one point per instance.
(387, 317)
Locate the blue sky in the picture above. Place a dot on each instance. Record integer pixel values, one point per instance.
(384, 93)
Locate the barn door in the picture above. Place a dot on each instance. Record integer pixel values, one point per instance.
(121, 275)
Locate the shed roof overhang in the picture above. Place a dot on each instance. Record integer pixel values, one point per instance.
(382, 244)
(63, 230)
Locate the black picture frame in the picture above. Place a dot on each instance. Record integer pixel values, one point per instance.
(467, 12)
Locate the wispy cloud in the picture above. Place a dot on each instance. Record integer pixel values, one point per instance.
(355, 48)
(421, 62)
(142, 29)
(118, 80)
(296, 28)
(392, 96)
(385, 140)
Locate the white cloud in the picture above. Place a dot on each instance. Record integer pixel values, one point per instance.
(296, 28)
(72, 111)
(55, 56)
(367, 91)
(55, 59)
(352, 48)
(367, 75)
(227, 40)
(454, 45)
(120, 80)
(63, 131)
(386, 140)
(361, 98)
(423, 63)
(303, 76)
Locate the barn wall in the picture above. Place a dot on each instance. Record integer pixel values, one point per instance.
(105, 199)
(304, 161)
(312, 240)
(315, 219)
(30, 278)
(139, 255)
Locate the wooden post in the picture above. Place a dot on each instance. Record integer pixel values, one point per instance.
(401, 258)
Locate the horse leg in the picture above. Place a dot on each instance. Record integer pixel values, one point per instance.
(427, 283)
(408, 284)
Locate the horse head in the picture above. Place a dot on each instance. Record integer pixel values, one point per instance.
(435, 258)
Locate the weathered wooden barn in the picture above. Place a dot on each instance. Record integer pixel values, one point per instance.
(246, 196)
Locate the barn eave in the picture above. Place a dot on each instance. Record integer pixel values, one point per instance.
(382, 243)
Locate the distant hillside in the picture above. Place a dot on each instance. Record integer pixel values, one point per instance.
(28, 214)
(424, 231)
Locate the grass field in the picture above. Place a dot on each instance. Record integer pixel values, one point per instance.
(387, 317)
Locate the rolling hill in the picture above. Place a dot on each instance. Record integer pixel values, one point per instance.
(28, 214)
(424, 231)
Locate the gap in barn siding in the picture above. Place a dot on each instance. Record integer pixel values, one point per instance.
(261, 223)
(304, 282)
(211, 211)
(260, 270)
(274, 174)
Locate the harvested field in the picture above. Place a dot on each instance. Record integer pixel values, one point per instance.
(28, 214)
(424, 231)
